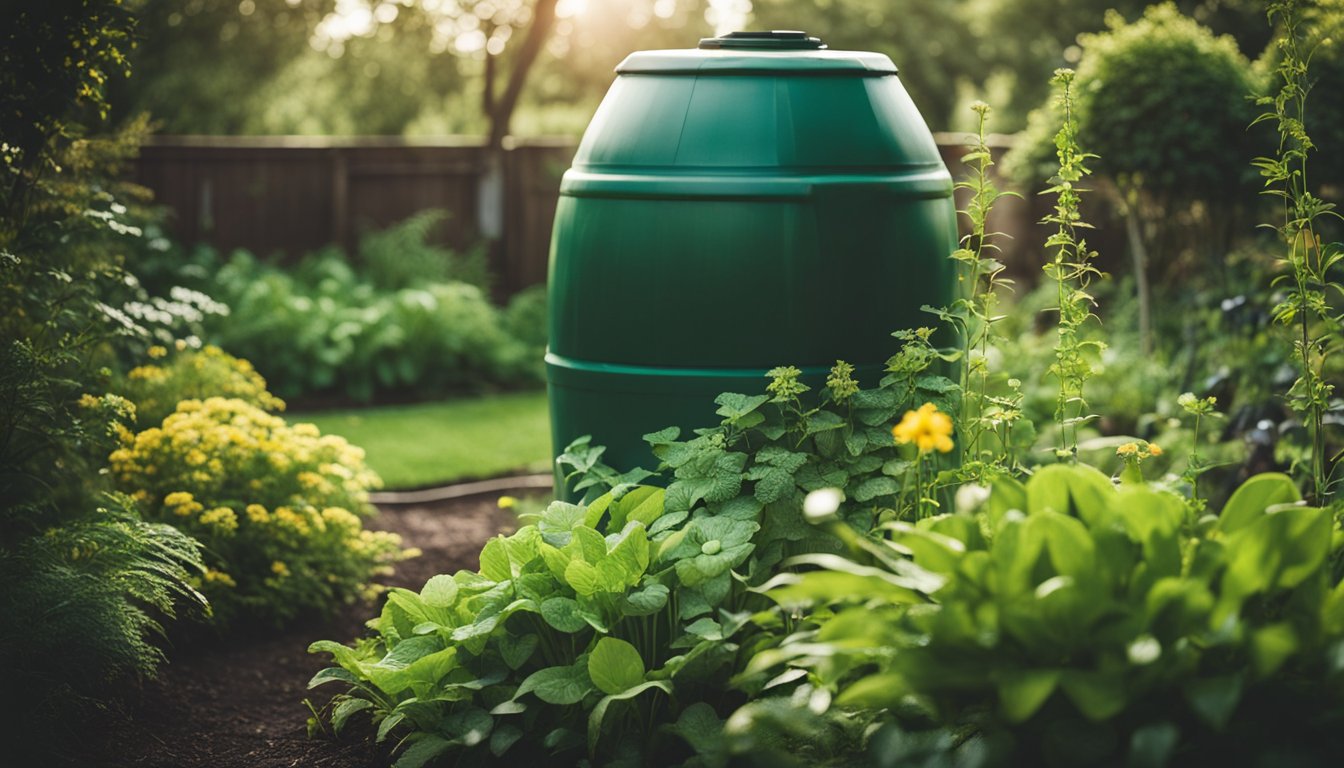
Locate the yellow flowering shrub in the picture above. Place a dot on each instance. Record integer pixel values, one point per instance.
(186, 373)
(277, 506)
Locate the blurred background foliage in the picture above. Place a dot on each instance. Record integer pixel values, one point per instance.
(423, 67)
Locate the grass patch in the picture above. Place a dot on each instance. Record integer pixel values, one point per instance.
(430, 443)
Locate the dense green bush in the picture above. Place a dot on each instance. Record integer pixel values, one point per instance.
(1074, 623)
(278, 507)
(1164, 105)
(323, 328)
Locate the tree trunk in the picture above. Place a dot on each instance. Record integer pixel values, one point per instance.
(1139, 252)
(501, 112)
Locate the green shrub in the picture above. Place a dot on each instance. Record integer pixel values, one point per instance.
(278, 507)
(321, 329)
(191, 374)
(1163, 103)
(401, 256)
(1074, 623)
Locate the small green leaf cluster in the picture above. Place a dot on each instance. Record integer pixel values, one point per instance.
(1068, 621)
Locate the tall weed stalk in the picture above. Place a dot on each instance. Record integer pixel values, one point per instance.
(980, 277)
(1306, 306)
(1071, 267)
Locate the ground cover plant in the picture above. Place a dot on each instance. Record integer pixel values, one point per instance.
(1053, 614)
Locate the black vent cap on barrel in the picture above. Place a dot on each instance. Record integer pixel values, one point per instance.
(774, 40)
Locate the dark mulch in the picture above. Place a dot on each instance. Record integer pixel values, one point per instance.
(239, 702)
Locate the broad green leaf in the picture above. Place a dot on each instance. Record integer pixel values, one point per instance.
(515, 651)
(426, 748)
(439, 592)
(1271, 646)
(563, 614)
(558, 685)
(332, 675)
(1214, 699)
(558, 520)
(557, 560)
(615, 665)
(1098, 695)
(1249, 502)
(389, 723)
(495, 561)
(591, 544)
(649, 509)
(503, 737)
(1023, 691)
(592, 515)
(599, 712)
(1152, 745)
(341, 713)
(1067, 541)
(1077, 490)
(874, 487)
(583, 577)
(646, 601)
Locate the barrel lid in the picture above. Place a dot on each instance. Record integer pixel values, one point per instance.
(777, 51)
(774, 40)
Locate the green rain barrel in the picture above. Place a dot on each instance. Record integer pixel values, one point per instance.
(759, 201)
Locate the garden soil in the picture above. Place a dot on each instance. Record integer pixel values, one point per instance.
(238, 703)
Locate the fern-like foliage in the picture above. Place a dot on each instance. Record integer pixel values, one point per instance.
(83, 607)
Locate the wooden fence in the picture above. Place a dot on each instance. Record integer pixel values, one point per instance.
(288, 196)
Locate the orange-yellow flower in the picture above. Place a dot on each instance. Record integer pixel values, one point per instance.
(928, 428)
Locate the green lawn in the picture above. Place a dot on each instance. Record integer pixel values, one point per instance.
(429, 443)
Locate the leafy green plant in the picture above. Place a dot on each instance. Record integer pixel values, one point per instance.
(596, 629)
(1311, 287)
(322, 328)
(277, 506)
(1067, 622)
(401, 256)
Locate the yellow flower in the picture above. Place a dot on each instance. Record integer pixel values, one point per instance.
(279, 569)
(222, 519)
(88, 401)
(928, 428)
(1127, 450)
(507, 502)
(157, 351)
(1154, 449)
(258, 514)
(219, 577)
